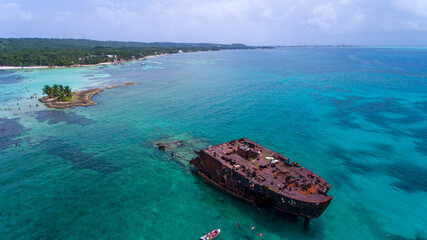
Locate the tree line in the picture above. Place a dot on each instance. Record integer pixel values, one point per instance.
(65, 52)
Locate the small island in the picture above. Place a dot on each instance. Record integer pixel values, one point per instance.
(59, 96)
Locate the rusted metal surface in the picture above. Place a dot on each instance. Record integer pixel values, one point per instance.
(259, 175)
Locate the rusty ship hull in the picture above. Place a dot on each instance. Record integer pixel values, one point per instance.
(258, 175)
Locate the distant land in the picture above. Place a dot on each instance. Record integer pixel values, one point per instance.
(67, 52)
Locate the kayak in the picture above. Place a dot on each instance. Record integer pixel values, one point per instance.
(211, 235)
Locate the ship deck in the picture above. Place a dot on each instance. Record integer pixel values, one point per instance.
(270, 169)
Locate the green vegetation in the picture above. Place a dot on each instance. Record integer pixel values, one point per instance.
(62, 93)
(67, 98)
(66, 52)
(255, 163)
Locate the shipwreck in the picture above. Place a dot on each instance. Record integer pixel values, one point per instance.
(261, 176)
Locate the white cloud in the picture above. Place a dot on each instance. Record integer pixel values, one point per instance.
(253, 20)
(12, 11)
(418, 7)
(248, 21)
(324, 16)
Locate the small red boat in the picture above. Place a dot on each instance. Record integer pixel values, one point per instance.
(211, 235)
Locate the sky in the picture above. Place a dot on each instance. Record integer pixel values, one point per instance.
(252, 22)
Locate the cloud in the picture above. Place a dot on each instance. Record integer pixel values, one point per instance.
(225, 21)
(324, 16)
(417, 7)
(12, 11)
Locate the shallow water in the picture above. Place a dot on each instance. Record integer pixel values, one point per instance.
(355, 116)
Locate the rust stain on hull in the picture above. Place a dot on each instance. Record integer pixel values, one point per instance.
(258, 175)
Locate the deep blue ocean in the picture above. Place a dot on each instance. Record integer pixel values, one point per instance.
(355, 116)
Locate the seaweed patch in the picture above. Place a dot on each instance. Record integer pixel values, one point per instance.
(79, 158)
(57, 116)
(10, 129)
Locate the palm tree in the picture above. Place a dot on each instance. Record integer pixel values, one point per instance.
(61, 96)
(47, 90)
(55, 90)
(67, 91)
(61, 88)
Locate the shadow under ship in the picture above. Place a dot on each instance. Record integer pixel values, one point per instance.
(261, 176)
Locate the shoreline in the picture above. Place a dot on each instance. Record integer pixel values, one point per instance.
(79, 98)
(77, 65)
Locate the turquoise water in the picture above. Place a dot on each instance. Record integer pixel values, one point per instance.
(355, 116)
